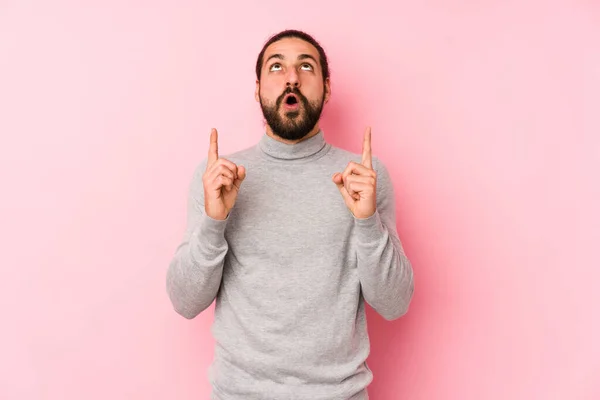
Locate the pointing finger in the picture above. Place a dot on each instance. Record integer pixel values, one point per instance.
(213, 150)
(366, 155)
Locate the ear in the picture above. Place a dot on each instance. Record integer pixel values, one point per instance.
(327, 90)
(256, 91)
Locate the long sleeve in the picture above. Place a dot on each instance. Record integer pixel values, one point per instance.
(194, 274)
(385, 273)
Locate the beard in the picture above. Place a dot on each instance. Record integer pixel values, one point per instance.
(295, 124)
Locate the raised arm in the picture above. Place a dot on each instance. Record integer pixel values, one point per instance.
(385, 273)
(194, 274)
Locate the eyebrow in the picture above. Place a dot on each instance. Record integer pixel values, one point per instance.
(300, 57)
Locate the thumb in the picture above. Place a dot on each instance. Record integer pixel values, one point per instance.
(338, 180)
(241, 175)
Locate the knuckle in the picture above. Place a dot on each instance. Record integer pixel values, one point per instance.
(222, 162)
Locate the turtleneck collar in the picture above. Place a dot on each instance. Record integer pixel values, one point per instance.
(301, 150)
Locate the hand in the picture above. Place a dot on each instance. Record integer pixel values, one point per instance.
(358, 183)
(222, 180)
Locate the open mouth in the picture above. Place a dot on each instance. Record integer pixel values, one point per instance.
(291, 101)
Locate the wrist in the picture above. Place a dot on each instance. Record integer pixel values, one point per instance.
(368, 229)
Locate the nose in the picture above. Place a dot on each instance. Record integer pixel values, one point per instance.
(292, 78)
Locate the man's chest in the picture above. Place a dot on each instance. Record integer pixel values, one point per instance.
(291, 240)
(284, 213)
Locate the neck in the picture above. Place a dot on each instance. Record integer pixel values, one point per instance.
(310, 134)
(304, 150)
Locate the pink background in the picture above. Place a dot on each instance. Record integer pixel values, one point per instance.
(487, 114)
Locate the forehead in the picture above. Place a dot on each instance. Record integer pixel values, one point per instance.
(291, 48)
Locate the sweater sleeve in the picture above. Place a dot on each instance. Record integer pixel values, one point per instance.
(385, 272)
(195, 271)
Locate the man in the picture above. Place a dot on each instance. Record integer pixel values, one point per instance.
(291, 237)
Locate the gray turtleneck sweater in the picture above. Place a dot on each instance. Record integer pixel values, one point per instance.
(290, 269)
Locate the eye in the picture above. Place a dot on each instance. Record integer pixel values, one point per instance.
(307, 66)
(274, 66)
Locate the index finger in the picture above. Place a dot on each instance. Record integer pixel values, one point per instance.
(213, 150)
(366, 155)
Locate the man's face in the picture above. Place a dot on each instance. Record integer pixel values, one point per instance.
(291, 90)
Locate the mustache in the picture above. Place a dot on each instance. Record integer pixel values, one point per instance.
(295, 91)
